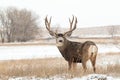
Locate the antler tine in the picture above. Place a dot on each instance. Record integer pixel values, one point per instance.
(71, 22)
(47, 23)
(75, 23)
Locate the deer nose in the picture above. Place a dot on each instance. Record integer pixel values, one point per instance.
(60, 40)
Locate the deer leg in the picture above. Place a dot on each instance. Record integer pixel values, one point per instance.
(93, 61)
(74, 66)
(84, 66)
(70, 65)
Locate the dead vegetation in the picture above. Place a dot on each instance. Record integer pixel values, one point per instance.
(52, 41)
(58, 66)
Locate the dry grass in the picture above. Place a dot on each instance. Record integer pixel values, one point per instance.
(39, 67)
(52, 41)
(57, 66)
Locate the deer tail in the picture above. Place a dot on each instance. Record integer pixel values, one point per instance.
(93, 50)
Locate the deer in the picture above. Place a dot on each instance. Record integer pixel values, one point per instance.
(73, 52)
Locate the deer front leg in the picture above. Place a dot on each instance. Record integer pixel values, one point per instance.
(74, 66)
(70, 65)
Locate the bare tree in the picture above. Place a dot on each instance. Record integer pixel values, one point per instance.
(112, 31)
(4, 23)
(20, 25)
(2, 35)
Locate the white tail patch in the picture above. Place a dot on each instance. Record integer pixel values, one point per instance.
(93, 49)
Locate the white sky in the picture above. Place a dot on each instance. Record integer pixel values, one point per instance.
(89, 12)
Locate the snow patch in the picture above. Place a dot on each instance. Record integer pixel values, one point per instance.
(107, 48)
(58, 77)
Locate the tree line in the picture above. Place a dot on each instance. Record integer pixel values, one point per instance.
(18, 25)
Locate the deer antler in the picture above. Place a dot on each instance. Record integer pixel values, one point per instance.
(47, 24)
(71, 25)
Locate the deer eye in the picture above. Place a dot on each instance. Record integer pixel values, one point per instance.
(60, 35)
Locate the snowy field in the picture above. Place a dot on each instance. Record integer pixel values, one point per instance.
(51, 51)
(43, 51)
(88, 77)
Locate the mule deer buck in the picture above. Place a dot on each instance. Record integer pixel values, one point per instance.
(74, 52)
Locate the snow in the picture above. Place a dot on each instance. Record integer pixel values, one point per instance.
(58, 77)
(28, 52)
(108, 48)
(42, 51)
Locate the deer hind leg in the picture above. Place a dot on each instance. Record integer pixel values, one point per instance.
(93, 61)
(84, 66)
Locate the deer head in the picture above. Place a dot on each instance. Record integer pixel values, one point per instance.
(61, 37)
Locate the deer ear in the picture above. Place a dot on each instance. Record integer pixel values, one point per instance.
(68, 34)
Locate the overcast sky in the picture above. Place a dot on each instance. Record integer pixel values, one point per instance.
(89, 12)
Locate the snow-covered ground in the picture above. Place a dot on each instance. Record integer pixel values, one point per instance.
(63, 77)
(43, 51)
(28, 52)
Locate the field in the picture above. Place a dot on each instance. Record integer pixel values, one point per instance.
(44, 62)
(108, 64)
